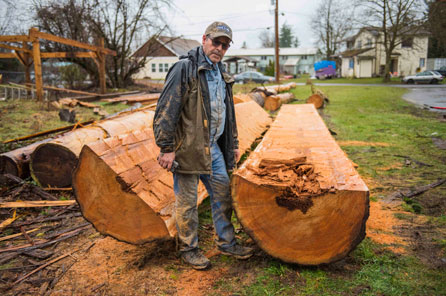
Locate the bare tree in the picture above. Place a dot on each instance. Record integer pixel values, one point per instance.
(266, 38)
(122, 23)
(332, 22)
(396, 21)
(436, 21)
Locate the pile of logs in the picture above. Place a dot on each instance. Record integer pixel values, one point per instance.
(268, 97)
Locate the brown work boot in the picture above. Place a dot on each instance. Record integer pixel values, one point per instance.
(196, 259)
(238, 251)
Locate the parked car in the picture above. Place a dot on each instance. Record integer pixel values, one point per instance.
(252, 76)
(431, 77)
(442, 71)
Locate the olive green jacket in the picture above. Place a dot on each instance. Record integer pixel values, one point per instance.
(182, 116)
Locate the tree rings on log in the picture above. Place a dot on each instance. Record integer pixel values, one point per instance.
(298, 195)
(272, 103)
(317, 100)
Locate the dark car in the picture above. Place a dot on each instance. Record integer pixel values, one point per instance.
(252, 76)
(442, 71)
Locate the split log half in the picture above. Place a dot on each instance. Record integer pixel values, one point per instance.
(52, 163)
(317, 100)
(272, 103)
(298, 195)
(16, 162)
(252, 121)
(123, 191)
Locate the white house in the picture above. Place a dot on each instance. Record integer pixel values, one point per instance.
(365, 54)
(291, 60)
(162, 53)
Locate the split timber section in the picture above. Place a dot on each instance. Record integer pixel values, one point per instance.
(331, 221)
(123, 191)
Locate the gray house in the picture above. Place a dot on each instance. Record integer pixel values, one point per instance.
(292, 60)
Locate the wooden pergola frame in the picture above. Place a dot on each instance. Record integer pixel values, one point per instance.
(27, 55)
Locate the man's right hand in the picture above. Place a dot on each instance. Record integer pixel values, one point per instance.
(166, 159)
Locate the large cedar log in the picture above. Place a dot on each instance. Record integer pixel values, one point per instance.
(52, 163)
(272, 103)
(298, 195)
(123, 191)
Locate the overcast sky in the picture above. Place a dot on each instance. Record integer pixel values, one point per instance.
(247, 18)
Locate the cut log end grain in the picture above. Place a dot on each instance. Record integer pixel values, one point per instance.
(112, 208)
(8, 166)
(298, 195)
(53, 165)
(317, 100)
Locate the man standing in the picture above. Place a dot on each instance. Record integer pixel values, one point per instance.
(195, 128)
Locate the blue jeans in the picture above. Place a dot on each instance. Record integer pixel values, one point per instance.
(186, 212)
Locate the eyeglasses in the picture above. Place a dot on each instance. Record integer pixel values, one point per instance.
(217, 43)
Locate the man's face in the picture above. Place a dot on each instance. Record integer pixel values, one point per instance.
(214, 48)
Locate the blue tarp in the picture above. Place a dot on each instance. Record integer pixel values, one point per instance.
(324, 64)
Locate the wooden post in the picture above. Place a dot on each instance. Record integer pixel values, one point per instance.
(101, 58)
(27, 68)
(37, 63)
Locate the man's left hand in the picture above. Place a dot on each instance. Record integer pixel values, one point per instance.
(237, 155)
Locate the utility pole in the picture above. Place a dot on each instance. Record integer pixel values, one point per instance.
(276, 43)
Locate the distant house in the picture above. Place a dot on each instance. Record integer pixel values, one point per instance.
(365, 54)
(162, 53)
(292, 60)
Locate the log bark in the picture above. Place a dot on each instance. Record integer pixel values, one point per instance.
(16, 162)
(52, 163)
(123, 191)
(258, 97)
(298, 195)
(272, 103)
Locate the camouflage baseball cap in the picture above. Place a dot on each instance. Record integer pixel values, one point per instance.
(219, 29)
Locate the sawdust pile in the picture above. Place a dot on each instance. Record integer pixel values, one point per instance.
(295, 180)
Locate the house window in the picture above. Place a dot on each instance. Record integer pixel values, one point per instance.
(153, 68)
(166, 67)
(350, 44)
(359, 44)
(407, 42)
(283, 57)
(160, 67)
(422, 61)
(304, 57)
(263, 58)
(369, 42)
(351, 64)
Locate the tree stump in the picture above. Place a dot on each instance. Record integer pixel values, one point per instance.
(298, 195)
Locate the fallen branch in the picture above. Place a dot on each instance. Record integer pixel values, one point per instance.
(49, 219)
(414, 160)
(36, 204)
(47, 132)
(412, 193)
(26, 248)
(17, 234)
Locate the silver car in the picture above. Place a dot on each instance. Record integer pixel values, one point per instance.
(431, 77)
